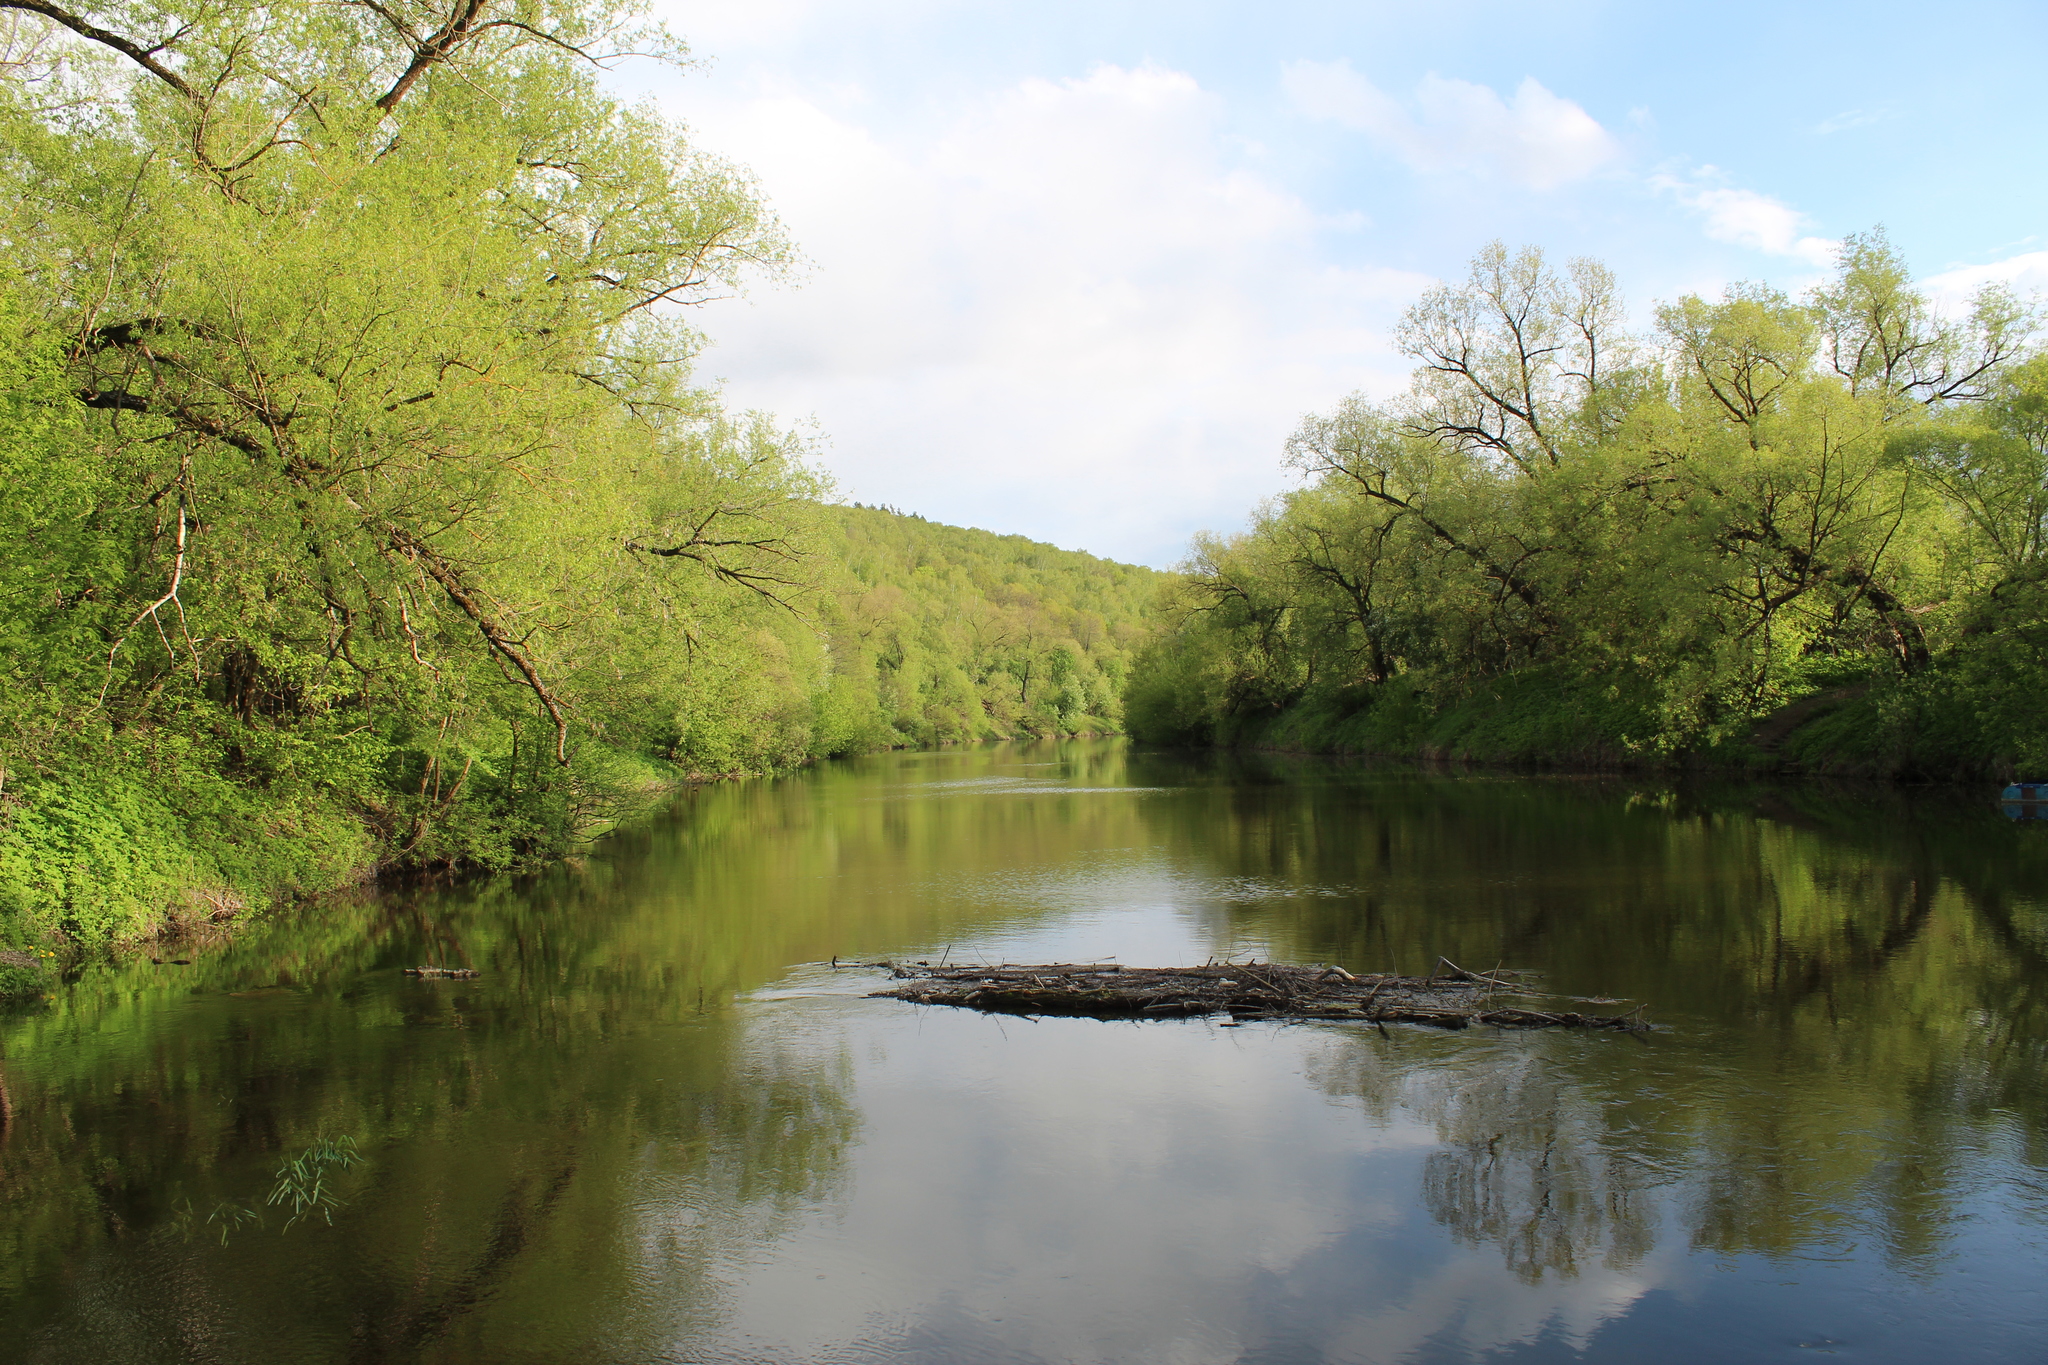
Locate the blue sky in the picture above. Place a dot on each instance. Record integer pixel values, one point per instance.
(1075, 271)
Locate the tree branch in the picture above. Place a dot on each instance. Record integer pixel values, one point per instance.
(501, 643)
(143, 57)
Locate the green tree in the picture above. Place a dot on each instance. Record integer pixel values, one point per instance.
(1568, 538)
(366, 478)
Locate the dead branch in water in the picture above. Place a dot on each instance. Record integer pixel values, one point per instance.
(1249, 990)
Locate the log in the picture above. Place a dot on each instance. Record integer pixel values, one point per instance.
(1245, 990)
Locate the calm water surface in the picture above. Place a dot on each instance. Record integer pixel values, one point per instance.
(661, 1127)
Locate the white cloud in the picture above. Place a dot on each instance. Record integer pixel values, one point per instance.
(1070, 308)
(1746, 218)
(1537, 139)
(1851, 118)
(2026, 273)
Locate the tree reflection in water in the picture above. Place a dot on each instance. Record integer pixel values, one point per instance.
(1522, 1166)
(589, 1152)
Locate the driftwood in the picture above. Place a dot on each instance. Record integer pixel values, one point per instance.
(1454, 998)
(444, 973)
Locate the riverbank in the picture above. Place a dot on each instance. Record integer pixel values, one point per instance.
(1931, 728)
(106, 858)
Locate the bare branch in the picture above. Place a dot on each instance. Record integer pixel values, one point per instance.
(144, 57)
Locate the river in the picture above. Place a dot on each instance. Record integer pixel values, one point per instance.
(662, 1126)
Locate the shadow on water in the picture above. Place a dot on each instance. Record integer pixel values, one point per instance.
(636, 1133)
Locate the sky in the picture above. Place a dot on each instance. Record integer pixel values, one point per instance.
(1075, 271)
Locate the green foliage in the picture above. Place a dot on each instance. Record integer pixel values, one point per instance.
(24, 974)
(302, 1180)
(83, 849)
(942, 634)
(1566, 542)
(362, 507)
(908, 633)
(1976, 709)
(1532, 715)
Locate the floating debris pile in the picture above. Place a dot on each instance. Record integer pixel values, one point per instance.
(1453, 998)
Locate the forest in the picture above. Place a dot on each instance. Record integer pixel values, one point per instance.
(1768, 531)
(364, 512)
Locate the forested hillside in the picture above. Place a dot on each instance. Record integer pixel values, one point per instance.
(906, 632)
(1569, 542)
(361, 510)
(964, 634)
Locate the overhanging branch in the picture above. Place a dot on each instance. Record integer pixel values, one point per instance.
(502, 644)
(144, 57)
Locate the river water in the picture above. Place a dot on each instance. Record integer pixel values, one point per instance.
(661, 1126)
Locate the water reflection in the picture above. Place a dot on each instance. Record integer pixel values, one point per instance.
(644, 1133)
(1522, 1167)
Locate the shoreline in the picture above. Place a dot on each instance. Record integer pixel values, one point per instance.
(30, 970)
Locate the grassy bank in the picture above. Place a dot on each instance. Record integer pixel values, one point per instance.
(1959, 721)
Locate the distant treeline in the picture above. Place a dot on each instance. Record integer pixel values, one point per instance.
(1570, 543)
(361, 509)
(910, 633)
(949, 634)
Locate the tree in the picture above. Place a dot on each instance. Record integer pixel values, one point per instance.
(1884, 337)
(370, 305)
(1768, 492)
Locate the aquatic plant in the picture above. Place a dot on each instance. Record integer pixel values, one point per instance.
(230, 1216)
(302, 1180)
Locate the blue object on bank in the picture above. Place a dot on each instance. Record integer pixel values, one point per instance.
(2026, 800)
